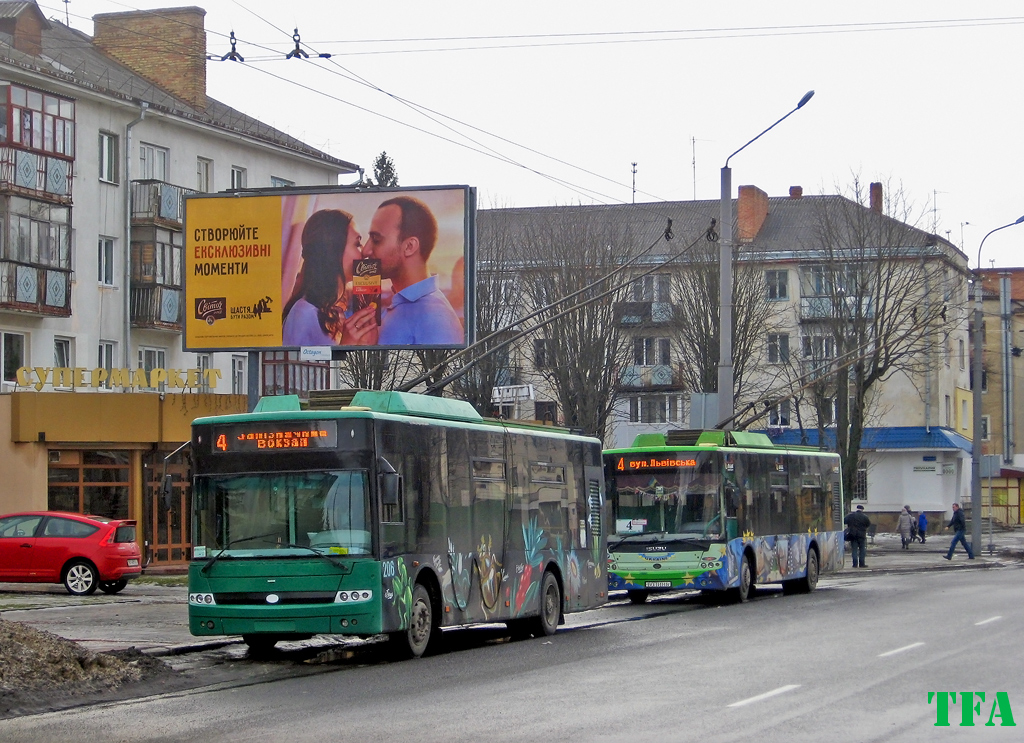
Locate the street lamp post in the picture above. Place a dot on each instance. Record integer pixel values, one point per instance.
(725, 370)
(976, 390)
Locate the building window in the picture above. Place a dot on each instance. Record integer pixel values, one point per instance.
(42, 238)
(238, 385)
(986, 427)
(778, 348)
(61, 360)
(819, 346)
(543, 356)
(545, 411)
(167, 269)
(949, 411)
(238, 177)
(204, 174)
(203, 364)
(652, 288)
(108, 157)
(963, 414)
(105, 258)
(96, 482)
(154, 162)
(778, 284)
(652, 351)
(779, 415)
(963, 355)
(39, 121)
(284, 373)
(13, 350)
(655, 409)
(276, 182)
(105, 359)
(150, 359)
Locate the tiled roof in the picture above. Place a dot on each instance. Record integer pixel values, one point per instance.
(70, 56)
(897, 437)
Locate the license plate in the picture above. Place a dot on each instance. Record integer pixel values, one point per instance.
(133, 563)
(658, 584)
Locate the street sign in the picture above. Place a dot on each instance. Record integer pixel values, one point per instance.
(512, 393)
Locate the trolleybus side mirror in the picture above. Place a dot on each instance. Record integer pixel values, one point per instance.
(390, 488)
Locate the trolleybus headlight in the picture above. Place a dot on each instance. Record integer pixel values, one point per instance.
(201, 598)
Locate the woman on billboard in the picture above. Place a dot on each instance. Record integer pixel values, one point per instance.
(318, 313)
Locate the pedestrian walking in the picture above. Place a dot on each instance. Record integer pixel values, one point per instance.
(959, 525)
(857, 524)
(922, 526)
(904, 526)
(913, 525)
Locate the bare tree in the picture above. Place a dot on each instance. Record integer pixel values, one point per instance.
(876, 291)
(579, 355)
(696, 325)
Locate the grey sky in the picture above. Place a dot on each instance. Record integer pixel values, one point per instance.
(919, 94)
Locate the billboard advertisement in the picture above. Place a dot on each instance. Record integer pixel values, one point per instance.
(298, 268)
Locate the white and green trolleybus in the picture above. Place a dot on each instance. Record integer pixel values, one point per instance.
(721, 511)
(399, 514)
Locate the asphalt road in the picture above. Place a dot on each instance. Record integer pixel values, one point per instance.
(853, 661)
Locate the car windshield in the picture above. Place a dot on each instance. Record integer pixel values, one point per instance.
(669, 503)
(282, 514)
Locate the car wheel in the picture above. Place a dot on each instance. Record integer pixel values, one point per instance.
(113, 586)
(80, 578)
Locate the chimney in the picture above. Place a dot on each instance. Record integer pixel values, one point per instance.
(751, 212)
(167, 47)
(26, 29)
(876, 198)
(796, 192)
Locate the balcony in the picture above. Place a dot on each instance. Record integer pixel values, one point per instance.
(644, 314)
(156, 307)
(637, 376)
(40, 290)
(36, 175)
(823, 308)
(156, 201)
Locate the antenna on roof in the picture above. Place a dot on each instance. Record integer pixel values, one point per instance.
(233, 55)
(67, 16)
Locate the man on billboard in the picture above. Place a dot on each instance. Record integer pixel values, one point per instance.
(402, 235)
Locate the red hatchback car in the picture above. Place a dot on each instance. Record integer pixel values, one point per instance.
(82, 552)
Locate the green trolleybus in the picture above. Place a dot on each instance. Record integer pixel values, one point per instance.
(399, 514)
(721, 511)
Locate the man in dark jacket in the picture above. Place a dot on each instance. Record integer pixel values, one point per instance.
(959, 525)
(858, 523)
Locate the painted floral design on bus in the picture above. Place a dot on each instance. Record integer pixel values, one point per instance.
(526, 589)
(490, 576)
(402, 588)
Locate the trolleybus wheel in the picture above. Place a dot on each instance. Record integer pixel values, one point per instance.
(550, 606)
(414, 641)
(810, 581)
(746, 586)
(637, 597)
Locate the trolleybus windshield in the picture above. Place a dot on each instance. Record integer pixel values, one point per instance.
(655, 502)
(274, 513)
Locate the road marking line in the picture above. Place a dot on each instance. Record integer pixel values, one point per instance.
(986, 621)
(900, 650)
(766, 695)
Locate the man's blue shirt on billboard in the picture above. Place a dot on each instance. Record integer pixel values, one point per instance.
(420, 315)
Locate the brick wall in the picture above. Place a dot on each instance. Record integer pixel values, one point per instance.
(167, 47)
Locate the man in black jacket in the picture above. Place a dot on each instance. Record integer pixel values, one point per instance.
(959, 525)
(858, 523)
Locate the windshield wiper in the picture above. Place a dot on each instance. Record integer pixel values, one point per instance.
(330, 557)
(637, 534)
(231, 544)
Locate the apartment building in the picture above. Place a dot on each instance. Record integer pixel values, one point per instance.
(101, 138)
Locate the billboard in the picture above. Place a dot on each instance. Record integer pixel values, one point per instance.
(297, 268)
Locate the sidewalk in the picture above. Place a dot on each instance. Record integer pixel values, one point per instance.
(888, 555)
